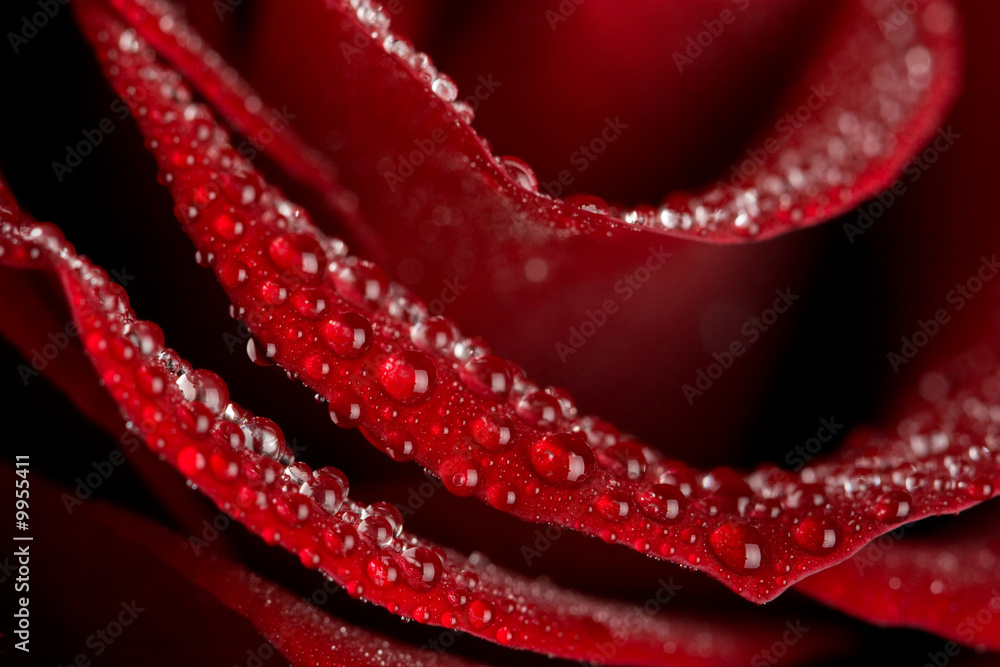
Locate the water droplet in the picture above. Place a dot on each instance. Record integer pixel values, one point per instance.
(387, 511)
(190, 461)
(228, 434)
(224, 466)
(409, 377)
(662, 502)
(625, 460)
(361, 283)
(461, 475)
(422, 568)
(502, 495)
(434, 335)
(494, 432)
(399, 445)
(311, 302)
(146, 336)
(893, 506)
(563, 459)
(318, 366)
(481, 613)
(298, 255)
(265, 437)
(589, 203)
(233, 273)
(346, 409)
(382, 571)
(228, 227)
(980, 488)
(504, 636)
(205, 387)
(519, 170)
(292, 508)
(272, 293)
(340, 540)
(151, 380)
(377, 529)
(739, 546)
(261, 353)
(540, 410)
(817, 534)
(296, 474)
(349, 335)
(328, 488)
(488, 376)
(445, 88)
(614, 506)
(195, 419)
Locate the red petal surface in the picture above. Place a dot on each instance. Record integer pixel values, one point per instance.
(241, 462)
(886, 78)
(423, 392)
(946, 582)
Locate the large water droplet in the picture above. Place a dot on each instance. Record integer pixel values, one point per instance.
(893, 506)
(422, 568)
(461, 475)
(625, 460)
(298, 255)
(614, 505)
(488, 376)
(563, 459)
(348, 334)
(434, 335)
(494, 432)
(377, 529)
(481, 614)
(817, 534)
(311, 302)
(346, 409)
(261, 353)
(519, 170)
(146, 336)
(382, 571)
(409, 377)
(328, 488)
(540, 410)
(205, 387)
(739, 546)
(265, 437)
(662, 502)
(361, 282)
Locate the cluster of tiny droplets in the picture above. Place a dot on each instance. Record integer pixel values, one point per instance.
(820, 165)
(477, 590)
(718, 509)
